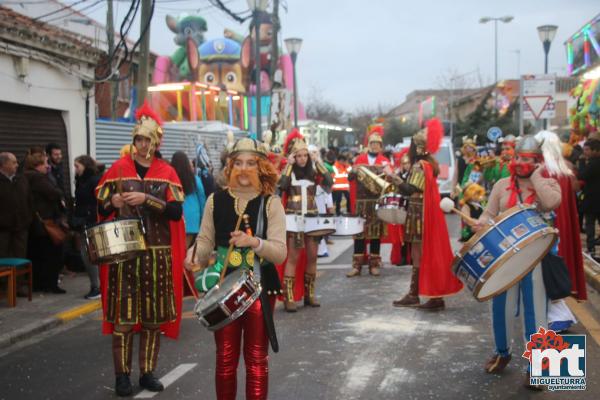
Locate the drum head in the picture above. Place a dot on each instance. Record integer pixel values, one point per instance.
(512, 267)
(220, 291)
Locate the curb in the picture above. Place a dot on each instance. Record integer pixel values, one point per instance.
(592, 272)
(35, 328)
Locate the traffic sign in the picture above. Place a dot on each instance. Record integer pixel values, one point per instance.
(494, 133)
(538, 96)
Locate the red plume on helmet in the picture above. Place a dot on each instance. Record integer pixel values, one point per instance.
(373, 130)
(435, 134)
(289, 140)
(398, 156)
(146, 111)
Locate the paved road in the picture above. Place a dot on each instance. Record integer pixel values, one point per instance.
(356, 346)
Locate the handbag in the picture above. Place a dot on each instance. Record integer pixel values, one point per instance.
(56, 233)
(556, 277)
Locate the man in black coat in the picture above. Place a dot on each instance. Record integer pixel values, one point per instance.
(589, 172)
(15, 208)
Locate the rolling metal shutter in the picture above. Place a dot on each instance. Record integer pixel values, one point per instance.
(22, 127)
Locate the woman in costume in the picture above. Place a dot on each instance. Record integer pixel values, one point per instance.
(471, 205)
(251, 181)
(299, 181)
(143, 294)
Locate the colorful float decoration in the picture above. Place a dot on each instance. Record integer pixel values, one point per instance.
(215, 79)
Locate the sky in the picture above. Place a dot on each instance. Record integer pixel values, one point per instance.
(361, 54)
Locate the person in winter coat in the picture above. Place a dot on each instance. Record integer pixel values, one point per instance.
(84, 214)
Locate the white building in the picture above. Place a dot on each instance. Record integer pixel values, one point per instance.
(47, 91)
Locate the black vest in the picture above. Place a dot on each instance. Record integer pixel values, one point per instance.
(475, 211)
(225, 216)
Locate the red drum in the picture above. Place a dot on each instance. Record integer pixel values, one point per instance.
(228, 301)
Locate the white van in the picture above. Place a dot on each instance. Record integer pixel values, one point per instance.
(445, 157)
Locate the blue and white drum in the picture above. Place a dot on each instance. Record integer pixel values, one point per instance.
(501, 254)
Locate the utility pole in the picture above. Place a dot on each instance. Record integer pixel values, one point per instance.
(110, 38)
(144, 52)
(275, 43)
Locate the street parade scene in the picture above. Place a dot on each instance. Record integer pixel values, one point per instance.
(285, 199)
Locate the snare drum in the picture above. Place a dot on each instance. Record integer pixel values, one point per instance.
(500, 255)
(349, 225)
(115, 241)
(228, 301)
(320, 225)
(391, 208)
(312, 225)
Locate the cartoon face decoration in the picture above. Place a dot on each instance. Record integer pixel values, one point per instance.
(222, 74)
(219, 65)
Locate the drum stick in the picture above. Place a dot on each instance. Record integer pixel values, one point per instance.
(229, 250)
(464, 216)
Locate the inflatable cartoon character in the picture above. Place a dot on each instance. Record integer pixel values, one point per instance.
(217, 63)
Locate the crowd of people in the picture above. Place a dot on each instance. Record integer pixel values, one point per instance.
(251, 215)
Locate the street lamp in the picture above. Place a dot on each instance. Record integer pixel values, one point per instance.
(506, 19)
(257, 6)
(293, 46)
(546, 34)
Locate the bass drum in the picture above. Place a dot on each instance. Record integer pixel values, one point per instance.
(349, 225)
(115, 241)
(228, 301)
(500, 255)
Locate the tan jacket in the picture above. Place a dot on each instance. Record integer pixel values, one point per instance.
(273, 249)
(547, 192)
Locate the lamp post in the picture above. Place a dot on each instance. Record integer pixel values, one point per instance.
(546, 34)
(506, 19)
(293, 46)
(257, 6)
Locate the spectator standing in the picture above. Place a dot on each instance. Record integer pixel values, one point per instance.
(15, 208)
(589, 173)
(195, 198)
(54, 153)
(45, 255)
(341, 185)
(84, 214)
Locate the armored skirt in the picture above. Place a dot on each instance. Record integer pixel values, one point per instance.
(141, 290)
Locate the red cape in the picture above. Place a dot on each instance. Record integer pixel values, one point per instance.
(159, 170)
(435, 276)
(569, 244)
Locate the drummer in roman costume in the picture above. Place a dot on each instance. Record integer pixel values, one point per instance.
(425, 229)
(143, 294)
(298, 184)
(251, 181)
(363, 203)
(526, 185)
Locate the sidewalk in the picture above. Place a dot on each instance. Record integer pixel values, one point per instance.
(45, 311)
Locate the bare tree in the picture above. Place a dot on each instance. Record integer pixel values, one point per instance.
(317, 107)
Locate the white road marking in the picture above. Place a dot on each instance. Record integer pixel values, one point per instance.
(394, 378)
(358, 377)
(167, 380)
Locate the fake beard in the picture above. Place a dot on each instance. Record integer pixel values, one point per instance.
(522, 170)
(252, 176)
(372, 154)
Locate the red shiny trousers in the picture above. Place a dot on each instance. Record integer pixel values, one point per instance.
(256, 354)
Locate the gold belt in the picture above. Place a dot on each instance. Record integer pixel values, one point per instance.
(297, 197)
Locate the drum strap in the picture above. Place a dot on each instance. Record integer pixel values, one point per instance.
(264, 299)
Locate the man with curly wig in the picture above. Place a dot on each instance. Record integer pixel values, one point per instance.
(251, 181)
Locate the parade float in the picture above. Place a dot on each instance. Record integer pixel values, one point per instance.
(583, 57)
(213, 80)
